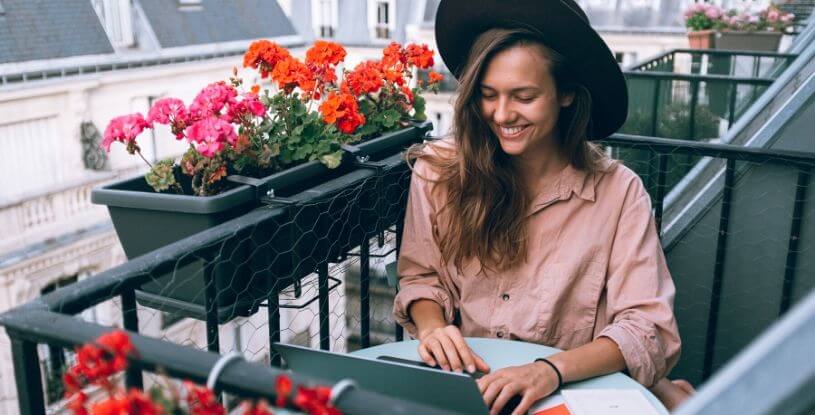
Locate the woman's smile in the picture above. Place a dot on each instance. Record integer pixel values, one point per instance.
(512, 132)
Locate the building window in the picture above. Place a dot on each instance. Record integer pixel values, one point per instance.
(325, 17)
(382, 18)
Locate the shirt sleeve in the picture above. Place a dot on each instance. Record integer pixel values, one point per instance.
(419, 257)
(640, 293)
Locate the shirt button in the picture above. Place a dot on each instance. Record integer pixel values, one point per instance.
(500, 334)
(505, 297)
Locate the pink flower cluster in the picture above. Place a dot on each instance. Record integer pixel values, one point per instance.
(125, 129)
(711, 11)
(210, 135)
(703, 16)
(209, 123)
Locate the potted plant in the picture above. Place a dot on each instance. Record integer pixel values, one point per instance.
(93, 387)
(245, 143)
(710, 27)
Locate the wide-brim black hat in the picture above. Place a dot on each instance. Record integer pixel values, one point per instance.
(563, 26)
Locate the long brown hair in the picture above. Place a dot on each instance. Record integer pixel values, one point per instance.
(485, 197)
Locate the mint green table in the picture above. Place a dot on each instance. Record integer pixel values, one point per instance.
(503, 353)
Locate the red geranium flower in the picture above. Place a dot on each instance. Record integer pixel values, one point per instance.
(419, 55)
(201, 400)
(264, 55)
(283, 387)
(342, 109)
(366, 78)
(325, 53)
(434, 77)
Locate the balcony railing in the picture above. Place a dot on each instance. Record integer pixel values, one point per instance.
(693, 95)
(697, 94)
(318, 234)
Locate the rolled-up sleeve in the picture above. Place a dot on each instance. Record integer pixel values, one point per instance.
(640, 293)
(419, 258)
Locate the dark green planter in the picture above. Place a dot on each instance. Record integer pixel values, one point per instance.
(324, 222)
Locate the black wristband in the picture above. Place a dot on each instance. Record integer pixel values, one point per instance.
(557, 372)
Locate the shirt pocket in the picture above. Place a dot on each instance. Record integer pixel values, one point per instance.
(568, 309)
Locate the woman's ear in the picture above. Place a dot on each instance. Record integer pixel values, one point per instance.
(566, 99)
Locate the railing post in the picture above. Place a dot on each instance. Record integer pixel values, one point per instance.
(130, 318)
(795, 234)
(655, 106)
(718, 271)
(364, 292)
(733, 94)
(211, 307)
(325, 335)
(662, 162)
(27, 376)
(274, 323)
(694, 99)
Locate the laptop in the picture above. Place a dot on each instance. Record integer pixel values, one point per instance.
(455, 392)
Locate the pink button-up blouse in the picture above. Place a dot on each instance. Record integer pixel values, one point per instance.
(595, 268)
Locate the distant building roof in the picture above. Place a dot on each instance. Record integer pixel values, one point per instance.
(215, 21)
(44, 29)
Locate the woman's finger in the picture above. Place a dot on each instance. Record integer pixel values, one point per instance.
(438, 353)
(526, 403)
(425, 354)
(466, 354)
(452, 353)
(493, 390)
(480, 364)
(507, 392)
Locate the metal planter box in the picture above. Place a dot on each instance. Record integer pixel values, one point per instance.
(146, 221)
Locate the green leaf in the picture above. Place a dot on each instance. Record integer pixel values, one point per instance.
(390, 118)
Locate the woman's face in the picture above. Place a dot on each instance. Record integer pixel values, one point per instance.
(519, 101)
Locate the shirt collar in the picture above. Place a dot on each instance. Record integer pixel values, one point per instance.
(573, 181)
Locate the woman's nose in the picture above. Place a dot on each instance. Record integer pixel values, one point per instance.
(503, 113)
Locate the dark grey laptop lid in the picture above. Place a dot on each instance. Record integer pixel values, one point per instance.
(446, 390)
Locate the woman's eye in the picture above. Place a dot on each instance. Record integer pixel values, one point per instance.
(487, 96)
(526, 99)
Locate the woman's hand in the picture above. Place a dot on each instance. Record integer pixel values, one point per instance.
(532, 381)
(445, 347)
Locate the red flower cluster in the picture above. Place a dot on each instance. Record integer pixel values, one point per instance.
(435, 77)
(366, 78)
(312, 77)
(96, 362)
(201, 400)
(264, 55)
(313, 401)
(134, 403)
(342, 109)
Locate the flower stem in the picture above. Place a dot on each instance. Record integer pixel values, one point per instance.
(145, 160)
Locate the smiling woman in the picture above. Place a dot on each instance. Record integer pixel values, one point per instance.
(518, 227)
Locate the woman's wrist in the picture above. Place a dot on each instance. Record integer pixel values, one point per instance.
(550, 367)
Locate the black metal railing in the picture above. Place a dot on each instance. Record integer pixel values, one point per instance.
(737, 160)
(697, 94)
(360, 207)
(693, 95)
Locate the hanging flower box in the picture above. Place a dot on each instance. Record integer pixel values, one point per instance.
(248, 144)
(712, 27)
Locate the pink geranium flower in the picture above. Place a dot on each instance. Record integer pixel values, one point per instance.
(211, 100)
(124, 128)
(210, 135)
(249, 105)
(170, 111)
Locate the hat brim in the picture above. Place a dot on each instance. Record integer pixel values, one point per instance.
(562, 28)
